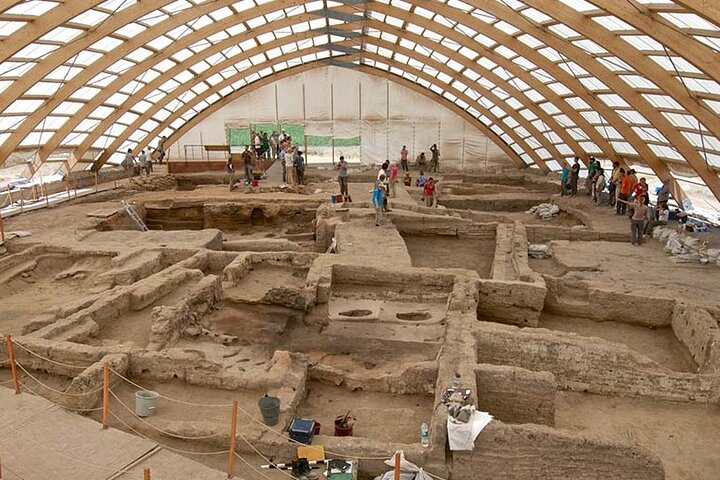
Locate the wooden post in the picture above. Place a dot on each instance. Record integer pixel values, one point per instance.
(96, 182)
(10, 197)
(233, 430)
(397, 466)
(13, 367)
(75, 186)
(2, 228)
(146, 474)
(106, 394)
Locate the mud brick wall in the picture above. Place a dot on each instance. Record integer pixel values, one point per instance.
(512, 302)
(699, 332)
(516, 395)
(616, 306)
(408, 223)
(548, 233)
(584, 364)
(530, 452)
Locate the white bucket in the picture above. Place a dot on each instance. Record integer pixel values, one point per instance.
(145, 402)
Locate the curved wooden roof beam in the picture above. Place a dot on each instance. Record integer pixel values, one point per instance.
(709, 9)
(53, 143)
(641, 63)
(44, 24)
(257, 68)
(560, 75)
(8, 4)
(283, 41)
(132, 73)
(663, 31)
(255, 13)
(128, 76)
(632, 97)
(60, 56)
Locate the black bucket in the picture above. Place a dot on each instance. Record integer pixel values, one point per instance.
(270, 409)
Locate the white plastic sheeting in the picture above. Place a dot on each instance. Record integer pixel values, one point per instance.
(341, 103)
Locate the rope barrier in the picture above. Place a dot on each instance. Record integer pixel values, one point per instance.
(74, 409)
(160, 430)
(270, 462)
(255, 469)
(248, 414)
(187, 452)
(15, 342)
(83, 394)
(182, 402)
(171, 399)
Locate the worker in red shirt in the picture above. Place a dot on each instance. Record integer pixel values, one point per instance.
(429, 192)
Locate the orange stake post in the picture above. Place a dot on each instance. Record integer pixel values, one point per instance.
(13, 367)
(106, 394)
(233, 430)
(147, 474)
(397, 466)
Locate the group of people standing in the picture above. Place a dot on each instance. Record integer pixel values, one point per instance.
(144, 162)
(277, 146)
(627, 194)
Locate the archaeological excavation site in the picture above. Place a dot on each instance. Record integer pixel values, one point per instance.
(253, 310)
(359, 240)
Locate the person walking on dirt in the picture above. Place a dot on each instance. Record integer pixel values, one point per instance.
(404, 159)
(378, 194)
(429, 192)
(299, 163)
(161, 148)
(574, 177)
(342, 169)
(394, 178)
(142, 159)
(435, 159)
(129, 163)
(246, 157)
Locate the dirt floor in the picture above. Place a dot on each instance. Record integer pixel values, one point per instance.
(640, 270)
(449, 252)
(380, 416)
(659, 344)
(684, 436)
(262, 278)
(407, 328)
(54, 282)
(134, 326)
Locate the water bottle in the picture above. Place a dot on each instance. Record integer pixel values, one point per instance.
(425, 435)
(456, 381)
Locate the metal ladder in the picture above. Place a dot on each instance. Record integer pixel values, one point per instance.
(134, 217)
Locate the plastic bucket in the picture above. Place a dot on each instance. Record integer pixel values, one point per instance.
(145, 402)
(343, 431)
(270, 409)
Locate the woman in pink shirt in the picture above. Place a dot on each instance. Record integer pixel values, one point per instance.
(404, 159)
(394, 170)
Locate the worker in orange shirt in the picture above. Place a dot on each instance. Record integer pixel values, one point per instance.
(626, 186)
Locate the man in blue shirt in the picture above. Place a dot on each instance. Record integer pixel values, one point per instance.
(564, 181)
(299, 163)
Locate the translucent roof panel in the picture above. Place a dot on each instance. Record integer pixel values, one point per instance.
(589, 77)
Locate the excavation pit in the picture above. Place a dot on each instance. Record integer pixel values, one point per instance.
(382, 417)
(658, 344)
(439, 251)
